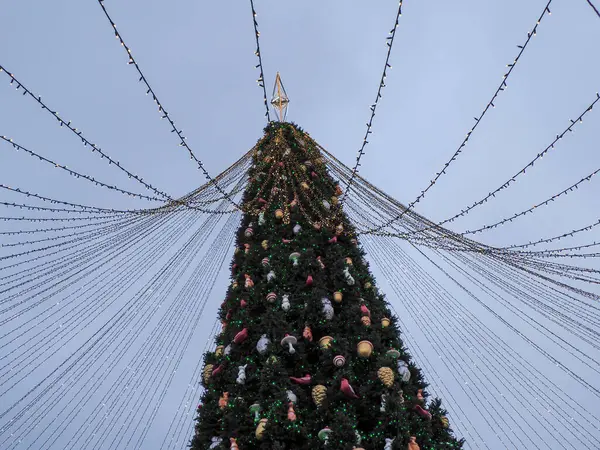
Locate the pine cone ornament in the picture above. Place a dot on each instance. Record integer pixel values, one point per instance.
(386, 375)
(207, 373)
(319, 394)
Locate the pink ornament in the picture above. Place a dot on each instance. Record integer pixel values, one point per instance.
(333, 240)
(271, 297)
(339, 361)
(243, 303)
(265, 262)
(422, 412)
(364, 310)
(309, 280)
(306, 379)
(347, 389)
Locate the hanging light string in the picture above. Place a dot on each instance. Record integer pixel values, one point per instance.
(593, 7)
(513, 179)
(161, 109)
(79, 134)
(259, 66)
(51, 230)
(373, 107)
(489, 106)
(77, 174)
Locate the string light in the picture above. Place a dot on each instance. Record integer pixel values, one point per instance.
(161, 109)
(259, 66)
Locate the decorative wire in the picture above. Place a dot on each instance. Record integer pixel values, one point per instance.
(593, 7)
(261, 79)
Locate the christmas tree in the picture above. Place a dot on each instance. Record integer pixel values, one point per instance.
(309, 355)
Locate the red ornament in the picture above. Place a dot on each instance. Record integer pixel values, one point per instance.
(228, 316)
(243, 303)
(309, 280)
(333, 240)
(217, 370)
(286, 241)
(241, 336)
(262, 200)
(313, 174)
(347, 389)
(306, 379)
(364, 310)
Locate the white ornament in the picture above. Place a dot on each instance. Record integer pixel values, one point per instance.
(271, 276)
(348, 277)
(327, 308)
(326, 205)
(383, 401)
(291, 397)
(215, 442)
(297, 228)
(403, 371)
(227, 350)
(262, 344)
(287, 151)
(358, 437)
(261, 218)
(285, 302)
(388, 444)
(241, 378)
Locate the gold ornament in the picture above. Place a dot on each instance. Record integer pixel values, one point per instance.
(325, 342)
(234, 285)
(319, 394)
(445, 422)
(219, 350)
(304, 185)
(364, 349)
(334, 200)
(385, 322)
(337, 297)
(386, 375)
(368, 285)
(279, 214)
(207, 373)
(349, 261)
(366, 321)
(260, 428)
(265, 244)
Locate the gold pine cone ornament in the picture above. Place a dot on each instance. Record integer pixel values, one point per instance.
(319, 394)
(207, 373)
(386, 375)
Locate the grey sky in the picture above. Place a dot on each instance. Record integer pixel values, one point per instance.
(447, 60)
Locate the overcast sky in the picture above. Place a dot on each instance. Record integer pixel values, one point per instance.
(448, 59)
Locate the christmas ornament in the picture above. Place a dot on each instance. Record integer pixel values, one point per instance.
(260, 428)
(368, 285)
(262, 201)
(294, 257)
(327, 308)
(255, 409)
(334, 200)
(307, 334)
(241, 336)
(349, 279)
(304, 185)
(207, 373)
(317, 226)
(333, 240)
(291, 396)
(383, 403)
(263, 344)
(217, 370)
(324, 434)
(261, 218)
(338, 190)
(386, 375)
(337, 297)
(291, 413)
(339, 229)
(385, 322)
(313, 174)
(227, 350)
(243, 303)
(422, 412)
(265, 244)
(320, 261)
(271, 297)
(265, 262)
(270, 276)
(364, 349)
(233, 442)
(348, 261)
(326, 205)
(289, 342)
(401, 397)
(445, 422)
(319, 394)
(248, 283)
(346, 389)
(249, 232)
(412, 444)
(358, 438)
(325, 342)
(420, 395)
(339, 361)
(272, 360)
(388, 444)
(393, 353)
(403, 371)
(279, 214)
(219, 350)
(366, 321)
(308, 163)
(304, 380)
(241, 378)
(215, 442)
(297, 228)
(286, 241)
(309, 280)
(364, 310)
(285, 303)
(223, 400)
(234, 285)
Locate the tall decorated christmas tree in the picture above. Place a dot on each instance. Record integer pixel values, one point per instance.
(309, 356)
